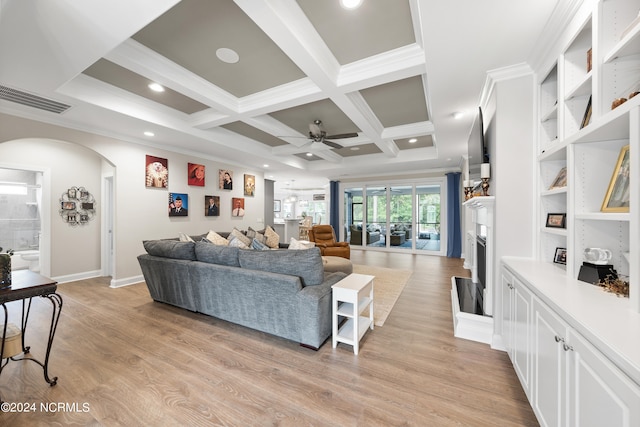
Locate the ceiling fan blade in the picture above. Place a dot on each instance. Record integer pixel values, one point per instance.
(342, 136)
(332, 144)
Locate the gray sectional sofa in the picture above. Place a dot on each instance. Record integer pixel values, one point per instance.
(283, 292)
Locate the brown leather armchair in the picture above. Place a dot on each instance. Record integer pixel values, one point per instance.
(325, 239)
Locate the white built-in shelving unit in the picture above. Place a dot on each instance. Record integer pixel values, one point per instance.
(590, 152)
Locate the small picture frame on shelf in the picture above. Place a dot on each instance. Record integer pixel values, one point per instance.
(561, 179)
(556, 220)
(617, 196)
(561, 256)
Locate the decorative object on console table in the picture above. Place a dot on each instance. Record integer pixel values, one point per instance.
(617, 197)
(561, 256)
(556, 220)
(561, 179)
(596, 267)
(615, 285)
(485, 174)
(587, 115)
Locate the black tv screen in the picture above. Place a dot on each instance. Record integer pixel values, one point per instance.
(477, 148)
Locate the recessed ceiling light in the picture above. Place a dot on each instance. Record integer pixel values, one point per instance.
(148, 133)
(350, 4)
(309, 154)
(156, 87)
(458, 115)
(355, 148)
(227, 55)
(413, 140)
(265, 165)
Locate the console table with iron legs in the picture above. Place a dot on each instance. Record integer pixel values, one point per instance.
(26, 285)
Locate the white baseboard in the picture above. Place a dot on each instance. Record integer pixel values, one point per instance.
(126, 281)
(78, 276)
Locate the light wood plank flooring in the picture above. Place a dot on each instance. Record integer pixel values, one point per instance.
(124, 360)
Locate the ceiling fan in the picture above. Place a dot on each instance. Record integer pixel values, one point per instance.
(318, 135)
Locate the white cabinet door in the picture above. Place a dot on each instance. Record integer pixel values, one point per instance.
(506, 320)
(521, 339)
(599, 393)
(549, 367)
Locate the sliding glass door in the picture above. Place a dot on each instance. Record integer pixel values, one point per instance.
(397, 217)
(401, 217)
(428, 218)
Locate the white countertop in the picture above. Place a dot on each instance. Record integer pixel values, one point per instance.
(603, 318)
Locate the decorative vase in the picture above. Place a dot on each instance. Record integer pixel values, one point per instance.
(5, 270)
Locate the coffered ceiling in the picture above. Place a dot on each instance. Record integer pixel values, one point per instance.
(390, 73)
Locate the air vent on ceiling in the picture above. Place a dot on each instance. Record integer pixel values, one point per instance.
(30, 100)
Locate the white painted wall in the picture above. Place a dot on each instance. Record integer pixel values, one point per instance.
(76, 158)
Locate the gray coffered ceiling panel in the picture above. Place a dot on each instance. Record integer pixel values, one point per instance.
(375, 27)
(333, 119)
(422, 142)
(191, 32)
(123, 78)
(358, 150)
(398, 103)
(253, 133)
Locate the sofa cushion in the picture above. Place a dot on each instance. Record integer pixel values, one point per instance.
(170, 249)
(216, 254)
(305, 263)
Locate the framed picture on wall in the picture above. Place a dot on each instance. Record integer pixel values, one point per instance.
(211, 206)
(237, 206)
(249, 185)
(156, 172)
(225, 178)
(277, 205)
(178, 204)
(195, 174)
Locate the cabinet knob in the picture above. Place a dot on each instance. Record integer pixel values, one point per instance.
(567, 347)
(559, 339)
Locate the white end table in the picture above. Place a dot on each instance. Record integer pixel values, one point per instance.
(351, 296)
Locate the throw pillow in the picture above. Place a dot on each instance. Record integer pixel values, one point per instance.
(235, 233)
(298, 245)
(184, 238)
(216, 239)
(253, 234)
(257, 245)
(272, 238)
(237, 243)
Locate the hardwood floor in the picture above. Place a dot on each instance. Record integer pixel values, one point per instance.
(124, 360)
